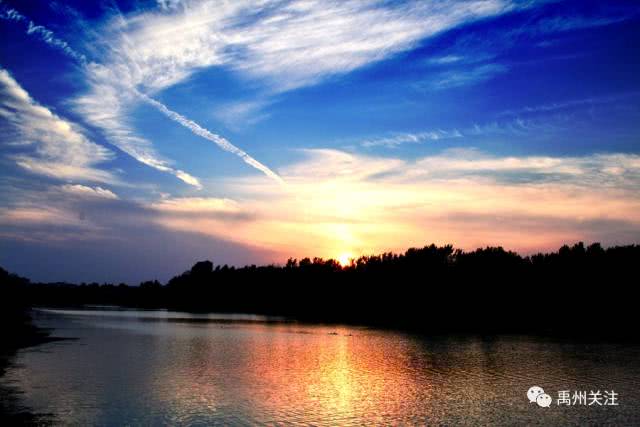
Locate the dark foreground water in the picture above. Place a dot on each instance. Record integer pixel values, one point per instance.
(158, 368)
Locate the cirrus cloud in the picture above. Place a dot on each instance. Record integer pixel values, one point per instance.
(54, 146)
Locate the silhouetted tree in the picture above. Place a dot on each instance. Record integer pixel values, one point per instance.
(431, 288)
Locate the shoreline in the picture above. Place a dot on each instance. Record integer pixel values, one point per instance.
(22, 334)
(434, 330)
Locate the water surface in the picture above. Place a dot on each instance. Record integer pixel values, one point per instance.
(159, 367)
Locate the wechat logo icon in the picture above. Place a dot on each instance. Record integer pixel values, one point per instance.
(536, 394)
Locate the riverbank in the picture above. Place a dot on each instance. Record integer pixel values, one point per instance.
(18, 332)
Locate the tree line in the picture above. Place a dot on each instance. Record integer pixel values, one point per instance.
(577, 290)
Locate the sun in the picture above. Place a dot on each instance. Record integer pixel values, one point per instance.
(345, 258)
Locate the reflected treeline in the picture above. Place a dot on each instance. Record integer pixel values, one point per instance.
(15, 323)
(577, 290)
(16, 331)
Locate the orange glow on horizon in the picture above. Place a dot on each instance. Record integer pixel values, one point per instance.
(332, 208)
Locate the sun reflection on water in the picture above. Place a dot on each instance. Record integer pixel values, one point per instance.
(170, 372)
(316, 374)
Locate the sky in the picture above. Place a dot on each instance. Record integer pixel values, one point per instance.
(138, 137)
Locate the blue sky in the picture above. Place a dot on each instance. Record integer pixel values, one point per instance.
(140, 136)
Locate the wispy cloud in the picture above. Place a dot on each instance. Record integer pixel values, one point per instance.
(339, 202)
(112, 123)
(620, 171)
(617, 170)
(239, 114)
(411, 138)
(572, 104)
(202, 205)
(86, 191)
(55, 213)
(466, 76)
(98, 111)
(54, 146)
(106, 107)
(168, 5)
(446, 59)
(283, 44)
(514, 125)
(580, 22)
(481, 50)
(290, 44)
(60, 228)
(116, 79)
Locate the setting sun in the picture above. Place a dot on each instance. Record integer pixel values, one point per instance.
(345, 258)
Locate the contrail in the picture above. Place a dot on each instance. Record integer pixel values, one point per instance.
(41, 32)
(195, 128)
(216, 139)
(48, 37)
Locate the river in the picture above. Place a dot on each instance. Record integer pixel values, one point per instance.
(139, 367)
